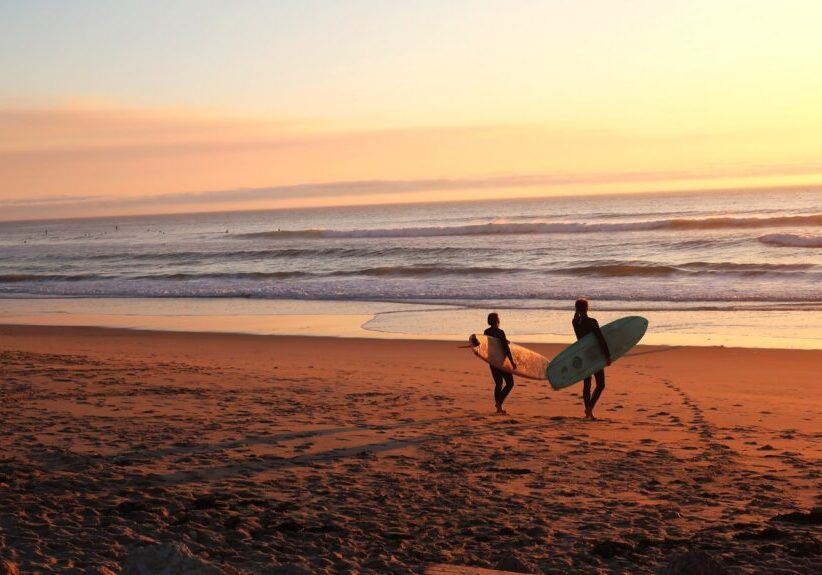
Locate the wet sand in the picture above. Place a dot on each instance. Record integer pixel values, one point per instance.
(267, 454)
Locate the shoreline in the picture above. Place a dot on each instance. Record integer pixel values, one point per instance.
(750, 329)
(90, 330)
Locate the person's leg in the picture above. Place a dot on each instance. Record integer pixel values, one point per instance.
(497, 375)
(600, 377)
(509, 384)
(586, 395)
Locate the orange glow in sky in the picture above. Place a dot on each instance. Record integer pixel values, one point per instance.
(252, 105)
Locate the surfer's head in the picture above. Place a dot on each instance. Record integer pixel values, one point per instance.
(493, 318)
(581, 306)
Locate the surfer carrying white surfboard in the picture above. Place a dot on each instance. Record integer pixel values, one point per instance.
(583, 325)
(500, 393)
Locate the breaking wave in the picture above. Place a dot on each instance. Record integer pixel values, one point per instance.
(285, 253)
(547, 228)
(792, 240)
(614, 269)
(692, 268)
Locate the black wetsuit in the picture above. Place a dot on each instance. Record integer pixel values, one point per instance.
(500, 393)
(583, 325)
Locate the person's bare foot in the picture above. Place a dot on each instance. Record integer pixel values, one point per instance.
(589, 413)
(500, 410)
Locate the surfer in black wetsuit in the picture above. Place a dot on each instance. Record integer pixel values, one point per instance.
(500, 393)
(583, 325)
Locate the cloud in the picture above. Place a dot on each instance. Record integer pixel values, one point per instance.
(92, 128)
(105, 161)
(25, 202)
(268, 196)
(505, 182)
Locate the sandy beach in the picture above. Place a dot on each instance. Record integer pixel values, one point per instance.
(265, 454)
(243, 247)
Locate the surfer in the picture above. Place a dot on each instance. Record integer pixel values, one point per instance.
(583, 325)
(500, 393)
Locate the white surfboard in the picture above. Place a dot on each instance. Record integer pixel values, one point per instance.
(530, 364)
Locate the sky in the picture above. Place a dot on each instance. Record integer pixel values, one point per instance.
(144, 107)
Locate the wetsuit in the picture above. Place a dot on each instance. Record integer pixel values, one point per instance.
(583, 325)
(500, 393)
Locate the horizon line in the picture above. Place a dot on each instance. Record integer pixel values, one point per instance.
(677, 191)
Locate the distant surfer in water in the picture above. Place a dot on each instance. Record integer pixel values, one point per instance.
(583, 325)
(500, 393)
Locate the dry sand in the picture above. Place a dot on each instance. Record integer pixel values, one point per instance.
(322, 455)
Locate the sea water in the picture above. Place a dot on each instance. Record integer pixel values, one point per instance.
(727, 264)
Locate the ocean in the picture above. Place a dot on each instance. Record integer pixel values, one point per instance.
(732, 265)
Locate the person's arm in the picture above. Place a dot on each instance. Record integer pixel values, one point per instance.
(601, 339)
(506, 348)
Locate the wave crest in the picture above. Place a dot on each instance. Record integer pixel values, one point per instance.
(792, 240)
(651, 269)
(547, 228)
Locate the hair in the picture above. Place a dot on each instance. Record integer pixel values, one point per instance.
(581, 307)
(493, 318)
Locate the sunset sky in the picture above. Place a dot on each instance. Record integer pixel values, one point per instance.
(137, 107)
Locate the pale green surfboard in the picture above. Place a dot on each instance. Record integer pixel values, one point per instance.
(585, 358)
